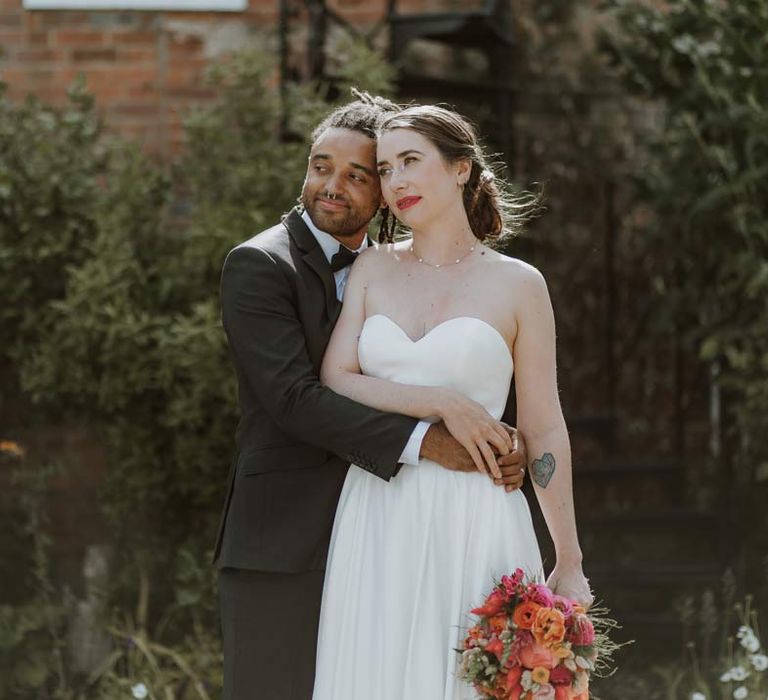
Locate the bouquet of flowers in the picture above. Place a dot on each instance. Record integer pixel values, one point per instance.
(531, 644)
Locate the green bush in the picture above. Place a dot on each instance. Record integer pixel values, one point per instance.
(111, 265)
(704, 173)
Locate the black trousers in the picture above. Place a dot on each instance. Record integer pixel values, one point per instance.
(269, 627)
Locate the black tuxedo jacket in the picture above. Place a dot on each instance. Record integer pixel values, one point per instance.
(295, 438)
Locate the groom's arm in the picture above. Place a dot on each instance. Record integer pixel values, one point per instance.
(268, 343)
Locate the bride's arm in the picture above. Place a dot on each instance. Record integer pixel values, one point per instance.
(467, 421)
(540, 419)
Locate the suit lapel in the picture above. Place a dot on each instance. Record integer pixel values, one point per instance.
(315, 259)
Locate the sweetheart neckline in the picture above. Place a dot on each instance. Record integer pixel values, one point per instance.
(495, 330)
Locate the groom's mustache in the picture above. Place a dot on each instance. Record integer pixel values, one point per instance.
(331, 198)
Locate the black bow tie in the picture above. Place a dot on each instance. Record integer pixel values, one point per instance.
(342, 259)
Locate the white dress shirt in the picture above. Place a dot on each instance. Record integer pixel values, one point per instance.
(330, 247)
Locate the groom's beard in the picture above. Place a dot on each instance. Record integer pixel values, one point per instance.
(345, 223)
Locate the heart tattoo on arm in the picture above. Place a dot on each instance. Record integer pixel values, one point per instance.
(542, 469)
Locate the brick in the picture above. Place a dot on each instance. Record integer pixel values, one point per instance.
(51, 19)
(37, 39)
(11, 38)
(136, 56)
(10, 19)
(132, 38)
(78, 37)
(94, 55)
(192, 92)
(39, 56)
(141, 110)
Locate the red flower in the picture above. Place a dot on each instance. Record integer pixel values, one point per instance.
(582, 632)
(562, 692)
(513, 677)
(493, 605)
(560, 675)
(511, 583)
(496, 647)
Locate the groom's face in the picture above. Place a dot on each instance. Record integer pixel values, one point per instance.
(341, 191)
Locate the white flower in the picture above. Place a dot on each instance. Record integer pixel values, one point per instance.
(748, 639)
(759, 661)
(526, 681)
(740, 693)
(139, 691)
(739, 673)
(698, 696)
(726, 677)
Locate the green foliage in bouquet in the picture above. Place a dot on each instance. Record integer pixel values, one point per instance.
(705, 174)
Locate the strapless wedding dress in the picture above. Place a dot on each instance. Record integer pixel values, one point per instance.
(410, 557)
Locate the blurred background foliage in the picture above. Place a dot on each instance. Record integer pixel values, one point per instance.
(109, 266)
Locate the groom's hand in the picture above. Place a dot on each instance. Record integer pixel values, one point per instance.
(441, 447)
(513, 464)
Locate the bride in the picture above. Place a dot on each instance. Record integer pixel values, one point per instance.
(432, 327)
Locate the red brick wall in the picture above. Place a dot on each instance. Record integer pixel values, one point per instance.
(145, 68)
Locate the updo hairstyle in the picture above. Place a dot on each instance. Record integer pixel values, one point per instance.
(493, 212)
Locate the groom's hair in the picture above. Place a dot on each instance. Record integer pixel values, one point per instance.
(365, 114)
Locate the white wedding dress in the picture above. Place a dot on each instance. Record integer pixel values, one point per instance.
(409, 558)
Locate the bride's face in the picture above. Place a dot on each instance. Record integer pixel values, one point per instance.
(417, 183)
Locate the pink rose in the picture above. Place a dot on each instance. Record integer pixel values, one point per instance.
(537, 655)
(561, 676)
(581, 632)
(564, 605)
(540, 594)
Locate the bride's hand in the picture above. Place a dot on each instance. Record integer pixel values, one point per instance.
(475, 428)
(570, 582)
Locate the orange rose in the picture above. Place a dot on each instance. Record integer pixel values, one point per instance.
(525, 614)
(498, 623)
(473, 635)
(562, 692)
(549, 627)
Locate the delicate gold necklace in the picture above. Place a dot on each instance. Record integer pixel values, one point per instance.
(437, 267)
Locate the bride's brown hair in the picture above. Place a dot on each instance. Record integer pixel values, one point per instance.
(493, 212)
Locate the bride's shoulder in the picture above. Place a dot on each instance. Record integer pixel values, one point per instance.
(384, 253)
(515, 271)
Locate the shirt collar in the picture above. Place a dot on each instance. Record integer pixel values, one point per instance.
(327, 242)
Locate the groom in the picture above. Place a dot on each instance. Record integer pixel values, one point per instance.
(280, 297)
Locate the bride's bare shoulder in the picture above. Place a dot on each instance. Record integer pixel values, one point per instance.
(382, 255)
(516, 272)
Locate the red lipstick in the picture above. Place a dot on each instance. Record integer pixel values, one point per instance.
(407, 202)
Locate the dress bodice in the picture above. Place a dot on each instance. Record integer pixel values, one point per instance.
(463, 353)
